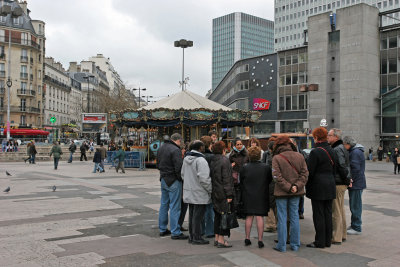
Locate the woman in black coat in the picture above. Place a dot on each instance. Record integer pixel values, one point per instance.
(222, 191)
(255, 178)
(321, 187)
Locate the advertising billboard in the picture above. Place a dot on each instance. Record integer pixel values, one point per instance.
(94, 122)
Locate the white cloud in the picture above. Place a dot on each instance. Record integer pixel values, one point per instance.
(138, 36)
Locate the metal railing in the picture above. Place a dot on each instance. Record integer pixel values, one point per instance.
(49, 79)
(2, 91)
(24, 109)
(26, 92)
(24, 59)
(20, 42)
(24, 75)
(2, 73)
(2, 56)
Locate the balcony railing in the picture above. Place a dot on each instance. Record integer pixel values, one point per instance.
(2, 73)
(31, 60)
(24, 76)
(2, 91)
(26, 92)
(20, 42)
(55, 82)
(31, 76)
(24, 59)
(2, 56)
(24, 109)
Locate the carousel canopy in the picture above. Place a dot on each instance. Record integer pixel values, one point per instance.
(186, 100)
(184, 108)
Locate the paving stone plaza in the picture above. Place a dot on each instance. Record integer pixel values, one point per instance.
(111, 219)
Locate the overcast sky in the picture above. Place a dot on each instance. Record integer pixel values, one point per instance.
(138, 36)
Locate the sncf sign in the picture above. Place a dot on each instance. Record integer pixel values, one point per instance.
(260, 104)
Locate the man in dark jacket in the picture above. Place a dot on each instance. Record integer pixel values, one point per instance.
(342, 179)
(120, 155)
(169, 162)
(83, 149)
(357, 183)
(72, 149)
(33, 152)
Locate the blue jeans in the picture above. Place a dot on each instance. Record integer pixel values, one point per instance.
(208, 222)
(301, 205)
(97, 166)
(283, 204)
(33, 157)
(355, 203)
(70, 156)
(170, 200)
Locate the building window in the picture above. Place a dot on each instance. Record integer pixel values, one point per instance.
(393, 42)
(23, 120)
(384, 44)
(392, 65)
(384, 66)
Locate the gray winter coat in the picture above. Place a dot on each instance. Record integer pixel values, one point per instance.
(196, 179)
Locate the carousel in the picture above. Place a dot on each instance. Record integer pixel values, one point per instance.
(186, 113)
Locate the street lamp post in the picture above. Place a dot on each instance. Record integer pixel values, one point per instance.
(5, 10)
(183, 44)
(147, 98)
(139, 89)
(88, 95)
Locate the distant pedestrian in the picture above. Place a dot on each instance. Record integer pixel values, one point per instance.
(103, 152)
(33, 152)
(169, 162)
(358, 183)
(370, 153)
(255, 178)
(83, 149)
(395, 157)
(72, 149)
(380, 153)
(120, 156)
(97, 160)
(28, 152)
(321, 187)
(4, 145)
(56, 152)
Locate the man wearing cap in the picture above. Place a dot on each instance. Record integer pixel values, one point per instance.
(169, 162)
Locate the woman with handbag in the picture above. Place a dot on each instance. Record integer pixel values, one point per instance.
(255, 179)
(289, 171)
(321, 187)
(222, 192)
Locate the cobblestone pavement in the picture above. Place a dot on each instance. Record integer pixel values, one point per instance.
(110, 219)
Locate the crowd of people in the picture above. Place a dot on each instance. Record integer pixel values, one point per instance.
(9, 146)
(218, 187)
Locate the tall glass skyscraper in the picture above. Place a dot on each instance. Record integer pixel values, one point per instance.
(238, 36)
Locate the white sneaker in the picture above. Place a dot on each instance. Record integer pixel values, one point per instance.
(353, 232)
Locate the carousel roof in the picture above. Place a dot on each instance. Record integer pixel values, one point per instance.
(186, 100)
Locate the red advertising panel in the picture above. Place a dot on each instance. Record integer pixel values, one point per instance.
(260, 104)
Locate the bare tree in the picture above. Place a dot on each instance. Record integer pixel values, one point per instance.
(119, 99)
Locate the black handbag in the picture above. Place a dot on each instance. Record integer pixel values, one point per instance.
(229, 220)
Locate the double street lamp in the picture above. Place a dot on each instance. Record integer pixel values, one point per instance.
(183, 44)
(139, 89)
(6, 10)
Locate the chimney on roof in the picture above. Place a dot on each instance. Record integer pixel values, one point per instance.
(73, 67)
(24, 6)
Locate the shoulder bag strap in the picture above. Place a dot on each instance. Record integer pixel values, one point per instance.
(328, 155)
(289, 163)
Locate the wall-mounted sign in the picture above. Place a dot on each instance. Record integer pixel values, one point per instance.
(94, 118)
(260, 104)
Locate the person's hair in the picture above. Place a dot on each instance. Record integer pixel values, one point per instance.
(271, 142)
(281, 141)
(211, 132)
(254, 153)
(166, 137)
(101, 144)
(197, 145)
(236, 140)
(349, 141)
(337, 132)
(254, 140)
(206, 140)
(320, 134)
(218, 147)
(176, 137)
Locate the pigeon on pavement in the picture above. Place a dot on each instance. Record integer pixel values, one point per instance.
(54, 188)
(7, 189)
(8, 174)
